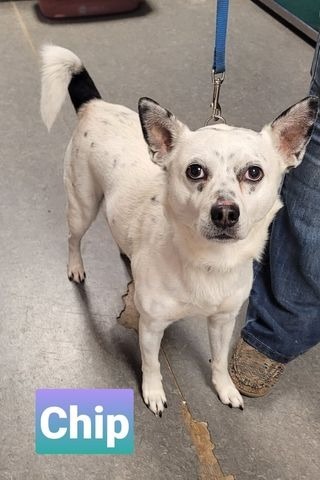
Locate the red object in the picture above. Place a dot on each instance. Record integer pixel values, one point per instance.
(84, 8)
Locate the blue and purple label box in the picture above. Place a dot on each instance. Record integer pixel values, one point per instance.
(83, 421)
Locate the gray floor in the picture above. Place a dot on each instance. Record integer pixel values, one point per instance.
(55, 335)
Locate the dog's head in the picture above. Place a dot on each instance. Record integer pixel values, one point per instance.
(223, 180)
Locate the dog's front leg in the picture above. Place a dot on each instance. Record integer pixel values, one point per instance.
(150, 336)
(220, 329)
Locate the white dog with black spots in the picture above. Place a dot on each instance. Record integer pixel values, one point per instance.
(191, 209)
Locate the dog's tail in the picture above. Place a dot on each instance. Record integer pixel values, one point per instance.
(61, 71)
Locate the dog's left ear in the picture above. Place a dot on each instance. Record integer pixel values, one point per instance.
(291, 131)
(160, 128)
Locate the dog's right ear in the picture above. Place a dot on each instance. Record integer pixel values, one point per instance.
(160, 128)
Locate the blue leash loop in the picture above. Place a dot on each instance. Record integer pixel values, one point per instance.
(218, 65)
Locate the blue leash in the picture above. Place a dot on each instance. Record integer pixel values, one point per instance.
(218, 66)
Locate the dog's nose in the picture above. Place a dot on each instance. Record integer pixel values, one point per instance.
(225, 215)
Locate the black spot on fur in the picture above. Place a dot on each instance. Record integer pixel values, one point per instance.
(164, 168)
(240, 173)
(154, 199)
(82, 89)
(200, 187)
(115, 161)
(92, 144)
(85, 134)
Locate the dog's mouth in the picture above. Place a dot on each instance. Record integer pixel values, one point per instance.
(223, 237)
(226, 237)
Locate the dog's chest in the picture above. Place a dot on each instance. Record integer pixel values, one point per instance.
(170, 292)
(208, 291)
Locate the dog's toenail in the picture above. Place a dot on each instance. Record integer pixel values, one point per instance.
(241, 407)
(165, 405)
(230, 405)
(160, 414)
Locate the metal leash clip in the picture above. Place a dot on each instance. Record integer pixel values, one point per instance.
(216, 114)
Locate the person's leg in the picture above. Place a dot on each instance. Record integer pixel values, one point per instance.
(283, 318)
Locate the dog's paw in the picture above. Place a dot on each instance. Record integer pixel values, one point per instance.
(227, 393)
(154, 396)
(76, 273)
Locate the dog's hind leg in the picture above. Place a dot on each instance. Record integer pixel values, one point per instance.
(83, 201)
(79, 217)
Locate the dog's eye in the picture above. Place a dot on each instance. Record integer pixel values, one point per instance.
(196, 172)
(254, 174)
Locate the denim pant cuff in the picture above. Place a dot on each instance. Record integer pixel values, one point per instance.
(262, 348)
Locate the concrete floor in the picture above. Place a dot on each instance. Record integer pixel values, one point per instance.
(55, 335)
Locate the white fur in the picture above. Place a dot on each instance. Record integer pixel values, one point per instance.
(160, 219)
(58, 65)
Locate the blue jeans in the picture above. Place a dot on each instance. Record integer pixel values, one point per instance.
(283, 318)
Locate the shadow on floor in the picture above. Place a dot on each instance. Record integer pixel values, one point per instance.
(128, 347)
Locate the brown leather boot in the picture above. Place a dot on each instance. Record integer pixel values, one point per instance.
(252, 372)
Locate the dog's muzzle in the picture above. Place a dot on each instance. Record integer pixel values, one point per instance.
(224, 217)
(225, 214)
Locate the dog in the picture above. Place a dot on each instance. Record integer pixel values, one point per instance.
(190, 209)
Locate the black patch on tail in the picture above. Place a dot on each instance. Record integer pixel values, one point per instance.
(82, 89)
